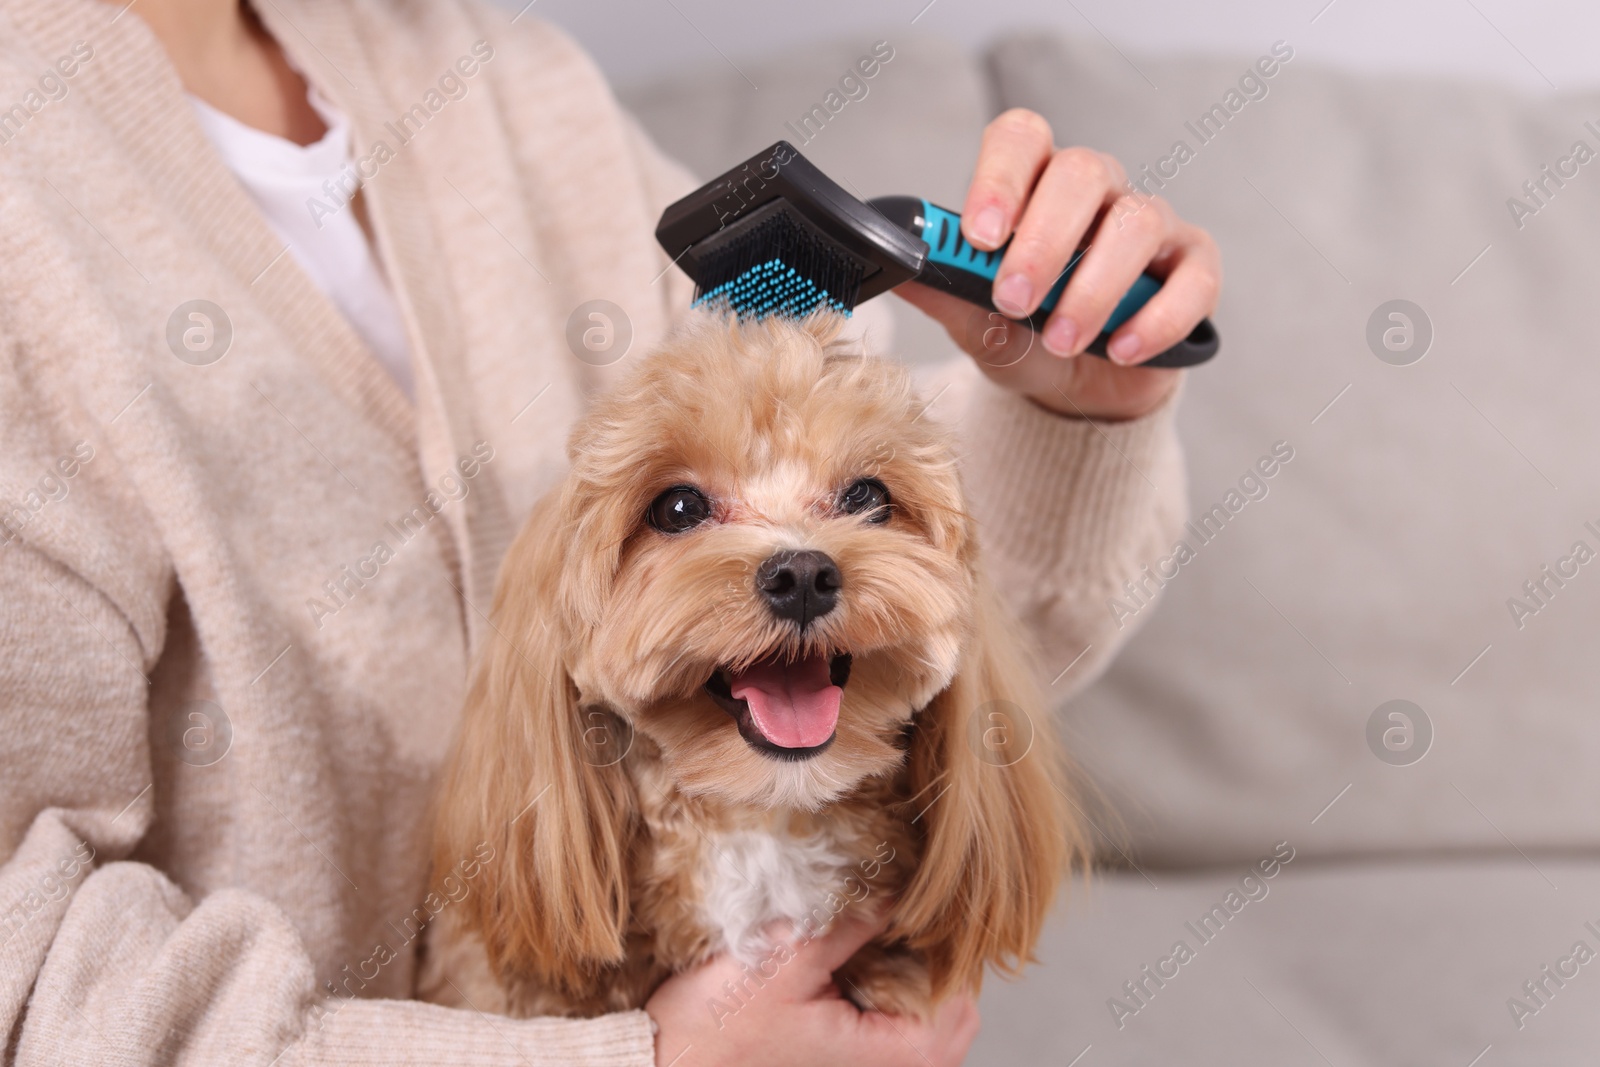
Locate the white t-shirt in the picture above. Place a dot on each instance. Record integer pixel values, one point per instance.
(284, 179)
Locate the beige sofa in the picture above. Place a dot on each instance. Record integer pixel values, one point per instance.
(1426, 899)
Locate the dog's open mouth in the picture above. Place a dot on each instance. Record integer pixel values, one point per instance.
(787, 708)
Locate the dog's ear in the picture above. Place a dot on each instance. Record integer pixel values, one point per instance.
(525, 779)
(989, 797)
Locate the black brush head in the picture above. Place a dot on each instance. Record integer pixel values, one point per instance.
(775, 235)
(778, 265)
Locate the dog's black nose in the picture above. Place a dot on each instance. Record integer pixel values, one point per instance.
(799, 586)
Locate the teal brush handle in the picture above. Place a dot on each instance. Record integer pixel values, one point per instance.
(961, 270)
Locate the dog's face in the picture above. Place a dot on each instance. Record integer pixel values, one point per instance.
(767, 565)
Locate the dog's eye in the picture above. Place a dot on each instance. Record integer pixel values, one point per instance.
(678, 509)
(868, 498)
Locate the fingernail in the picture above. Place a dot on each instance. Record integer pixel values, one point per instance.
(986, 226)
(1014, 294)
(1060, 335)
(1125, 349)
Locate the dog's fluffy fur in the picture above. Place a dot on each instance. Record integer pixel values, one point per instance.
(635, 830)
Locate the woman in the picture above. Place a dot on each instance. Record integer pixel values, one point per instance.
(265, 439)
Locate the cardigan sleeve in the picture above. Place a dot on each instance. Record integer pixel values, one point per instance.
(108, 961)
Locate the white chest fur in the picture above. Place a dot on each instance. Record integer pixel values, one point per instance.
(753, 877)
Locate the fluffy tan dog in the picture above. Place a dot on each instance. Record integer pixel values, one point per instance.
(745, 668)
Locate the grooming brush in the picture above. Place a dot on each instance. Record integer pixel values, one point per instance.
(776, 236)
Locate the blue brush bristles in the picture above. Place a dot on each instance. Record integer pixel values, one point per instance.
(772, 288)
(779, 267)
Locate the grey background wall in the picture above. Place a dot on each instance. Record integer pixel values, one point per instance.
(1534, 44)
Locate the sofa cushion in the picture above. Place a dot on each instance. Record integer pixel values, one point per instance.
(1351, 963)
(1420, 498)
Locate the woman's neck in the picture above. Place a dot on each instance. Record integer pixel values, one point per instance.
(225, 57)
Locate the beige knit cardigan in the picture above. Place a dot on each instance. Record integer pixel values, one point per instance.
(239, 594)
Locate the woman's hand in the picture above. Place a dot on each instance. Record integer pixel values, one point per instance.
(1053, 201)
(798, 1017)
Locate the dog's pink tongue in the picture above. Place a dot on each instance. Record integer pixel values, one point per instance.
(794, 705)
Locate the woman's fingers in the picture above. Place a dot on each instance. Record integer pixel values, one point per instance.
(1015, 149)
(1129, 237)
(1074, 188)
(1074, 206)
(1192, 266)
(1045, 201)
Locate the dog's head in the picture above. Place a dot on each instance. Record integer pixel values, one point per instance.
(761, 569)
(766, 564)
